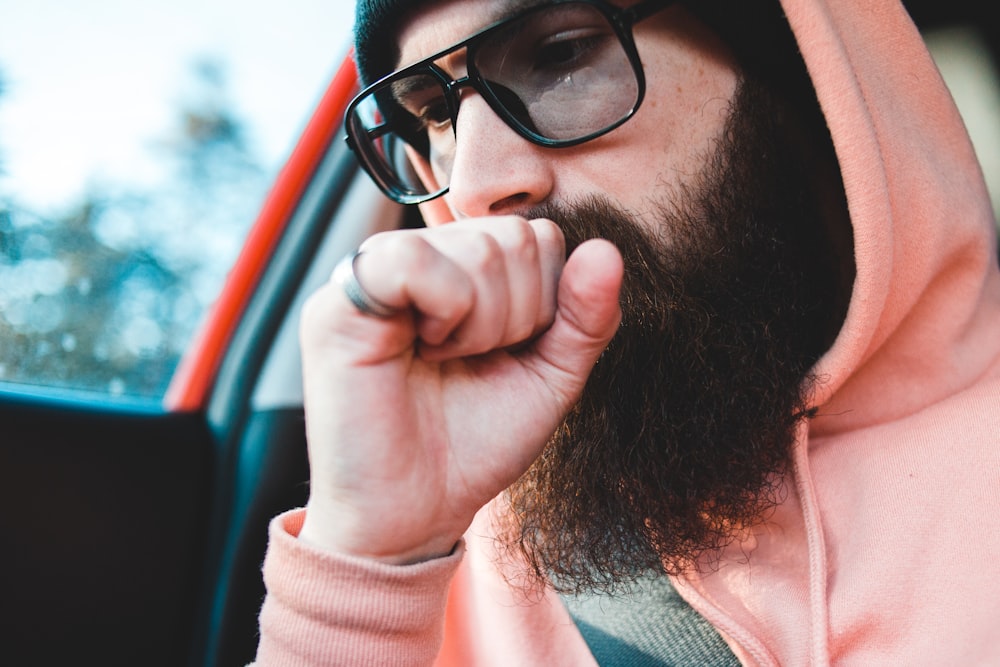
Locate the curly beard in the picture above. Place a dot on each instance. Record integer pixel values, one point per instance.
(682, 437)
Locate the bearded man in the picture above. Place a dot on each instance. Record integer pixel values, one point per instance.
(707, 293)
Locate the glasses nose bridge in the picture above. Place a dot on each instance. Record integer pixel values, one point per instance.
(454, 88)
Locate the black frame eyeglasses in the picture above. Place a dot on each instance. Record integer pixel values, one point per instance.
(558, 73)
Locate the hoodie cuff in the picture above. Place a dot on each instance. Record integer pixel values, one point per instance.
(325, 608)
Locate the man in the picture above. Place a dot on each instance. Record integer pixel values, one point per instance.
(678, 329)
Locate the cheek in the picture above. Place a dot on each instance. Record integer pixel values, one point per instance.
(690, 83)
(683, 119)
(643, 163)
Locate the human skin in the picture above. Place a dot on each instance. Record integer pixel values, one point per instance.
(416, 421)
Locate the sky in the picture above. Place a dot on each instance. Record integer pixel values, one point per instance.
(91, 85)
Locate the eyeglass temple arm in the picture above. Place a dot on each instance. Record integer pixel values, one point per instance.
(373, 133)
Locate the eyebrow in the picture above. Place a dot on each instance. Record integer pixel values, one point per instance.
(511, 7)
(403, 88)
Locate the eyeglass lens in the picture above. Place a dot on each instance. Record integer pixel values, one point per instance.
(557, 74)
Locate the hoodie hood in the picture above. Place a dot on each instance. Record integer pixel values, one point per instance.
(875, 555)
(925, 244)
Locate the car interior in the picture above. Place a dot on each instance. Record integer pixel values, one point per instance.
(134, 531)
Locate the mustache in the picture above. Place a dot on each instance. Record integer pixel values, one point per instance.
(665, 245)
(659, 276)
(592, 217)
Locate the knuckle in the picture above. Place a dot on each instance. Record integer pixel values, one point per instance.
(524, 244)
(398, 255)
(310, 311)
(549, 235)
(520, 234)
(485, 255)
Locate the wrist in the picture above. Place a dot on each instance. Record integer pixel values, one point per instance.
(329, 534)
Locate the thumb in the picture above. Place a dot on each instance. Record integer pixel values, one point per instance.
(587, 317)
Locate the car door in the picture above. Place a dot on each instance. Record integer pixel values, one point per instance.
(133, 528)
(137, 480)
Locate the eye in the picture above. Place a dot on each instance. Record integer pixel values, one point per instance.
(435, 115)
(566, 50)
(423, 100)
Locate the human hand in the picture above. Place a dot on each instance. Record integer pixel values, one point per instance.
(417, 420)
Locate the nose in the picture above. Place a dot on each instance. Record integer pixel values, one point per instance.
(495, 170)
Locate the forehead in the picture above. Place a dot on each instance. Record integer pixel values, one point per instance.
(439, 24)
(442, 23)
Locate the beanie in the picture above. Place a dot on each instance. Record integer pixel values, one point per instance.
(755, 31)
(375, 26)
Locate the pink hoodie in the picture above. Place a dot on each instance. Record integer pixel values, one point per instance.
(883, 552)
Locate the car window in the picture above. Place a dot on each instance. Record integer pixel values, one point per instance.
(137, 142)
(969, 67)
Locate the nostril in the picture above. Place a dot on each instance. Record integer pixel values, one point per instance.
(510, 203)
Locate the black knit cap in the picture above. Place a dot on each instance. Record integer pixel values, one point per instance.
(375, 26)
(755, 30)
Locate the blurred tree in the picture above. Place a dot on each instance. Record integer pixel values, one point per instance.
(106, 296)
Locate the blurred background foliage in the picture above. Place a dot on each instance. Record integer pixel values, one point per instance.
(105, 294)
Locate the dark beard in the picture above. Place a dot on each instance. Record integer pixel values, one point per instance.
(681, 439)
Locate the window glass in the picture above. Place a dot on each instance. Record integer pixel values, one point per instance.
(970, 70)
(137, 142)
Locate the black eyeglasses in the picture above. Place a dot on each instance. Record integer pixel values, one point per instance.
(558, 74)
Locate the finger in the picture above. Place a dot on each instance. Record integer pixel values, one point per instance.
(587, 317)
(523, 263)
(515, 266)
(552, 257)
(521, 253)
(484, 262)
(403, 270)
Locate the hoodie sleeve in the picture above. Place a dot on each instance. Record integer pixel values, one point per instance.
(331, 609)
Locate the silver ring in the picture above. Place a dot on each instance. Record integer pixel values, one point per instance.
(343, 275)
